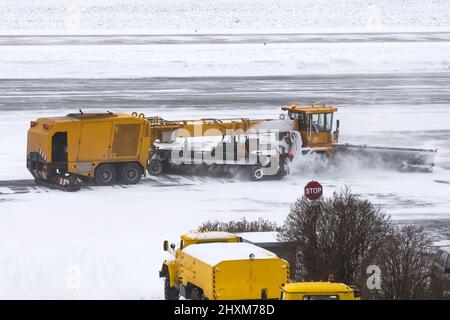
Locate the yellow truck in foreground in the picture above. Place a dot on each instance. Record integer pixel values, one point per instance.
(221, 266)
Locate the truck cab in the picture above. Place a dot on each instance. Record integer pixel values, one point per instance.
(318, 291)
(315, 124)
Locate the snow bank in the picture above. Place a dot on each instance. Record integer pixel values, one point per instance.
(130, 61)
(442, 243)
(260, 236)
(193, 16)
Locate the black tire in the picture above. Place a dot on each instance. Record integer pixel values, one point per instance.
(131, 173)
(257, 173)
(105, 175)
(196, 295)
(170, 293)
(155, 167)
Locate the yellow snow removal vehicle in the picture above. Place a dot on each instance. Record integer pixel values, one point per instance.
(110, 147)
(219, 266)
(315, 124)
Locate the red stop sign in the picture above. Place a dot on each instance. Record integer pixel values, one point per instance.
(313, 190)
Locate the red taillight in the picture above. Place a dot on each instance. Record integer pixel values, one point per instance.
(46, 126)
(32, 124)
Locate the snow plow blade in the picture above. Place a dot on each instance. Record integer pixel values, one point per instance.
(402, 159)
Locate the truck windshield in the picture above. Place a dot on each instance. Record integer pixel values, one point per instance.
(321, 121)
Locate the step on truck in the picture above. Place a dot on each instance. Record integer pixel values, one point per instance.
(219, 266)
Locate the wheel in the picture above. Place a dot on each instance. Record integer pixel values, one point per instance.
(170, 293)
(195, 294)
(155, 167)
(257, 173)
(131, 173)
(105, 175)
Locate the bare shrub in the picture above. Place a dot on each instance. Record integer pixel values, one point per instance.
(406, 265)
(242, 225)
(339, 235)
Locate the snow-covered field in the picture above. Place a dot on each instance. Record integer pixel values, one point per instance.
(80, 61)
(106, 242)
(112, 236)
(206, 15)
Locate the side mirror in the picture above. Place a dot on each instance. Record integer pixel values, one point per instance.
(356, 291)
(166, 245)
(337, 124)
(172, 246)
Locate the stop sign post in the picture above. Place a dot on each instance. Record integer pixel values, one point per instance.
(313, 190)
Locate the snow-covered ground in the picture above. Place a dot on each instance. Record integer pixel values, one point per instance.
(206, 15)
(186, 60)
(106, 242)
(184, 19)
(112, 237)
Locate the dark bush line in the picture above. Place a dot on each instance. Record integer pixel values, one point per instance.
(238, 226)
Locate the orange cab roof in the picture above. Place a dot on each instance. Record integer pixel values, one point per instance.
(311, 108)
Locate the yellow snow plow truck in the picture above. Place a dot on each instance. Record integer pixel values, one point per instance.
(219, 266)
(117, 147)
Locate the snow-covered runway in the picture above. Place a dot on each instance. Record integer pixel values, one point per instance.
(102, 38)
(244, 93)
(386, 65)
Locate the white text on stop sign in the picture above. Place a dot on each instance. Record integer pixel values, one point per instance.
(313, 190)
